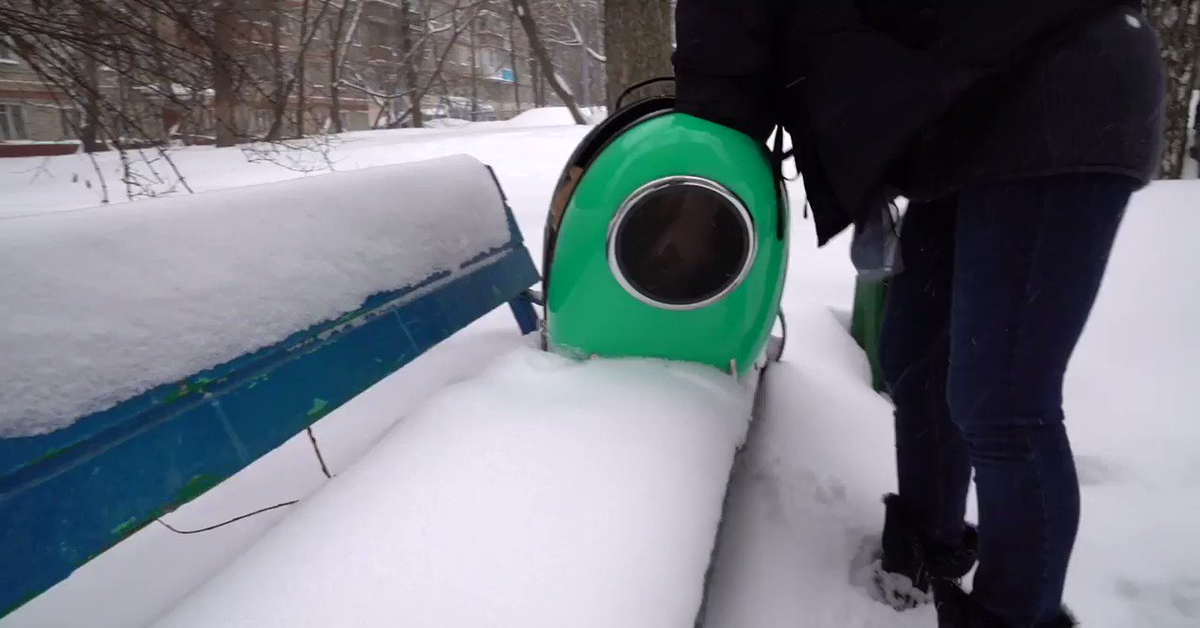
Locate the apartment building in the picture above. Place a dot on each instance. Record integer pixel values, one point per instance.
(29, 109)
(388, 50)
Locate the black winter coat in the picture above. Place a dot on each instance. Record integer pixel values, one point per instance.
(871, 91)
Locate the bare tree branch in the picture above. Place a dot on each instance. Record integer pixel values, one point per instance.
(521, 7)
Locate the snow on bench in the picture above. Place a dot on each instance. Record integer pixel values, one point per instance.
(543, 493)
(101, 305)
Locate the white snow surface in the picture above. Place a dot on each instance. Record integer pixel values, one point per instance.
(817, 462)
(808, 502)
(544, 492)
(554, 116)
(101, 305)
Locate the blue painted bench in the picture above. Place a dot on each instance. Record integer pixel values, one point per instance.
(69, 495)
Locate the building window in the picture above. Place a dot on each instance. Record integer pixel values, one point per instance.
(262, 120)
(7, 55)
(71, 121)
(492, 60)
(12, 122)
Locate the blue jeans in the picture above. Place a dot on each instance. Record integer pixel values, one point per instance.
(998, 284)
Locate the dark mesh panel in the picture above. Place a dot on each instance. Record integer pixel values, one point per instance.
(682, 244)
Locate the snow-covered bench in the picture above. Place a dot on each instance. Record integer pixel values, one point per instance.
(149, 351)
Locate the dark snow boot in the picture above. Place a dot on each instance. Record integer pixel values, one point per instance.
(957, 609)
(910, 561)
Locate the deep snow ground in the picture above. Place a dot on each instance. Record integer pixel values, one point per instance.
(820, 457)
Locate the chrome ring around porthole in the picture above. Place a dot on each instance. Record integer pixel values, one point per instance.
(681, 243)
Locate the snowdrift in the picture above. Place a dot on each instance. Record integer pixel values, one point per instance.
(554, 116)
(544, 493)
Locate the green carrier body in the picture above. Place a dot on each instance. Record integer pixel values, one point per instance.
(667, 238)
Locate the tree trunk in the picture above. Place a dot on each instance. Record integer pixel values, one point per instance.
(164, 80)
(123, 63)
(412, 78)
(585, 60)
(335, 64)
(1178, 24)
(300, 97)
(335, 103)
(474, 17)
(1196, 124)
(278, 100)
(225, 97)
(89, 134)
(535, 82)
(512, 53)
(302, 67)
(543, 56)
(637, 43)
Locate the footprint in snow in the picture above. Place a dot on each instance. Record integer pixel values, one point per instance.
(765, 481)
(1096, 471)
(831, 491)
(1167, 603)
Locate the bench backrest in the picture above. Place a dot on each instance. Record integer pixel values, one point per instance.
(71, 493)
